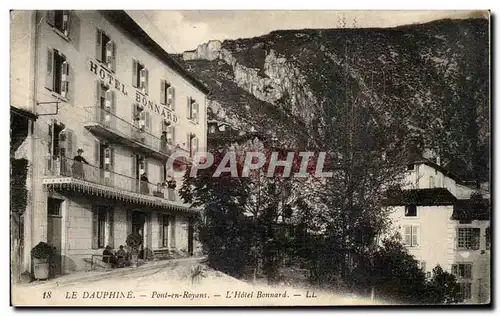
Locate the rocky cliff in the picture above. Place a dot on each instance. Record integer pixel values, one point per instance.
(426, 81)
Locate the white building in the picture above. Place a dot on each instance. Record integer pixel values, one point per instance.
(99, 83)
(442, 223)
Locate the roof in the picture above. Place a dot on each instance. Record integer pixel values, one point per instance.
(472, 209)
(123, 20)
(420, 197)
(23, 112)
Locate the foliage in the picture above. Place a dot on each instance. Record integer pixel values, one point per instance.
(41, 251)
(134, 240)
(18, 191)
(396, 276)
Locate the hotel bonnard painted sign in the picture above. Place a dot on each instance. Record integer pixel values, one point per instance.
(110, 79)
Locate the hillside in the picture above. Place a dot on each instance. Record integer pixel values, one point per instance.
(425, 81)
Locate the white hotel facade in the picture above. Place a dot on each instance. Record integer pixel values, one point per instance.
(99, 83)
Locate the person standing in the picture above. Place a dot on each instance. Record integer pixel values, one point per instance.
(78, 161)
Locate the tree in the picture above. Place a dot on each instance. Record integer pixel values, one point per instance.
(442, 288)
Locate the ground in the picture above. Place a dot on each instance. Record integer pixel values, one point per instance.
(173, 282)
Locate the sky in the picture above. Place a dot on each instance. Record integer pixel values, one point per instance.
(178, 31)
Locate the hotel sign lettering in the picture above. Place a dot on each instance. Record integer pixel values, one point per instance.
(107, 77)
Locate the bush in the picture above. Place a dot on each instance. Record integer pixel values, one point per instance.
(134, 240)
(41, 251)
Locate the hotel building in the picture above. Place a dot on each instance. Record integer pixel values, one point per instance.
(112, 108)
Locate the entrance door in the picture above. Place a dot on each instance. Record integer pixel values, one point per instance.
(138, 220)
(54, 226)
(190, 237)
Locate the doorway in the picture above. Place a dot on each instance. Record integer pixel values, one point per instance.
(54, 229)
(138, 221)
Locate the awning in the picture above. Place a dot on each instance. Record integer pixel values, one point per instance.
(78, 185)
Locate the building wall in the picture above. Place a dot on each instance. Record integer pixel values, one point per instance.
(437, 233)
(438, 240)
(74, 110)
(22, 51)
(420, 178)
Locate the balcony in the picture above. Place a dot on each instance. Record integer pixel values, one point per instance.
(66, 175)
(115, 129)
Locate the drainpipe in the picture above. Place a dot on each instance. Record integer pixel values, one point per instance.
(32, 133)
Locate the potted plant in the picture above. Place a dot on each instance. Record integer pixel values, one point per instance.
(41, 254)
(134, 241)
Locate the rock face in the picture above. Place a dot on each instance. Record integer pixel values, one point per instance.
(428, 81)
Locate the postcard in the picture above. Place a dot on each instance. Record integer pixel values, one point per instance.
(249, 158)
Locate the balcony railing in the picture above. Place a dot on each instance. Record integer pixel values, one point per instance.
(110, 125)
(65, 167)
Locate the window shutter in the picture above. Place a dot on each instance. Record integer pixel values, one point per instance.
(146, 81)
(196, 113)
(142, 80)
(407, 235)
(475, 238)
(51, 17)
(94, 227)
(188, 107)
(194, 145)
(160, 226)
(134, 73)
(110, 51)
(172, 232)
(170, 135)
(113, 101)
(148, 122)
(97, 148)
(112, 154)
(188, 142)
(66, 22)
(171, 97)
(468, 271)
(98, 46)
(70, 139)
(111, 235)
(64, 78)
(49, 75)
(163, 88)
(415, 236)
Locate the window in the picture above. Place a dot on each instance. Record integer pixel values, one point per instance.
(463, 273)
(488, 238)
(468, 238)
(411, 235)
(192, 110)
(167, 95)
(411, 210)
(462, 270)
(100, 216)
(60, 20)
(57, 75)
(140, 76)
(164, 223)
(105, 50)
(431, 182)
(428, 274)
(464, 290)
(410, 167)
